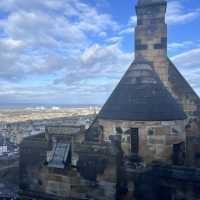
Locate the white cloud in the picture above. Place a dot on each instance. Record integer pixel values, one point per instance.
(11, 44)
(100, 62)
(133, 21)
(176, 45)
(90, 20)
(177, 14)
(103, 34)
(114, 40)
(189, 64)
(189, 60)
(181, 45)
(39, 29)
(43, 37)
(50, 39)
(130, 27)
(127, 30)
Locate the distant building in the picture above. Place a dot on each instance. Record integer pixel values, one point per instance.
(144, 143)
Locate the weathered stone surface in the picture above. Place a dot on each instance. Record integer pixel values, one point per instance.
(141, 96)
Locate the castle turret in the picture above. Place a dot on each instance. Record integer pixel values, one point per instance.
(151, 45)
(142, 110)
(151, 35)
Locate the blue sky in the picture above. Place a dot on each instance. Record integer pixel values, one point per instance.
(75, 51)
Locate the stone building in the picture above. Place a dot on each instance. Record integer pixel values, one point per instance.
(143, 144)
(145, 102)
(60, 165)
(144, 115)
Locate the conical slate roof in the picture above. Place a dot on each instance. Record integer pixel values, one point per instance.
(141, 96)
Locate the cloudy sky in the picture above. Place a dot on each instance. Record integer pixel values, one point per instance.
(75, 51)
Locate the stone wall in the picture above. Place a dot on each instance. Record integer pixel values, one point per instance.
(90, 173)
(82, 180)
(151, 45)
(192, 143)
(183, 92)
(156, 139)
(167, 183)
(32, 160)
(151, 38)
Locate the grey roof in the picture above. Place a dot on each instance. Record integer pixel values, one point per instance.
(182, 87)
(60, 154)
(141, 96)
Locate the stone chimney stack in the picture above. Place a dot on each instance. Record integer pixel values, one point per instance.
(151, 35)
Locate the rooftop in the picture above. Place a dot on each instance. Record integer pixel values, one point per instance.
(141, 96)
